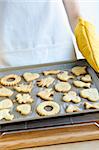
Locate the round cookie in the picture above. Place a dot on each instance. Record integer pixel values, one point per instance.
(10, 80)
(41, 108)
(62, 87)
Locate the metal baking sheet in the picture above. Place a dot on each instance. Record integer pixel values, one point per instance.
(57, 96)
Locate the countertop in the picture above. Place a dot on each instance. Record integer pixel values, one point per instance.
(88, 145)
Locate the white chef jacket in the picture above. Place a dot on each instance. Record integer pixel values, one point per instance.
(34, 32)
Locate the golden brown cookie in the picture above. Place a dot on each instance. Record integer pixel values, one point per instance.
(25, 88)
(72, 108)
(5, 103)
(62, 87)
(91, 106)
(45, 82)
(64, 76)
(46, 94)
(51, 72)
(91, 94)
(24, 109)
(79, 70)
(24, 98)
(28, 76)
(5, 114)
(42, 108)
(4, 92)
(71, 96)
(86, 78)
(10, 80)
(81, 84)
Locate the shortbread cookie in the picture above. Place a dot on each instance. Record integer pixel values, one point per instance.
(62, 87)
(42, 108)
(79, 70)
(24, 109)
(64, 76)
(4, 92)
(71, 96)
(46, 94)
(81, 84)
(6, 103)
(24, 98)
(51, 72)
(28, 76)
(5, 114)
(86, 78)
(91, 106)
(91, 94)
(10, 80)
(72, 108)
(25, 88)
(45, 82)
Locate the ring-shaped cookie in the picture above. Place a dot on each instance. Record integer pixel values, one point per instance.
(10, 80)
(43, 112)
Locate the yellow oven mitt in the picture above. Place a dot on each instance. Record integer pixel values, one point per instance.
(88, 42)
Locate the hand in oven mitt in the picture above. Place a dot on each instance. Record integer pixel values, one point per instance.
(88, 42)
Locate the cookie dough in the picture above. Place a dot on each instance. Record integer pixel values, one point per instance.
(51, 72)
(10, 80)
(81, 84)
(45, 82)
(25, 88)
(64, 76)
(5, 114)
(72, 108)
(91, 94)
(24, 109)
(24, 98)
(62, 87)
(86, 78)
(6, 103)
(91, 106)
(28, 76)
(4, 92)
(46, 94)
(42, 108)
(79, 70)
(71, 96)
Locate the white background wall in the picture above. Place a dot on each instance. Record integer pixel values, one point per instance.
(90, 10)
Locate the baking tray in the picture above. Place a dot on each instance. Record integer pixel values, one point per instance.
(57, 97)
(49, 122)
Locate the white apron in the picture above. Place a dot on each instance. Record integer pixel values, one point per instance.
(34, 32)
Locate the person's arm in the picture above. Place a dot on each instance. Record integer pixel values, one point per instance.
(85, 33)
(73, 11)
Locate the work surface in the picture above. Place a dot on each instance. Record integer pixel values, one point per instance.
(72, 146)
